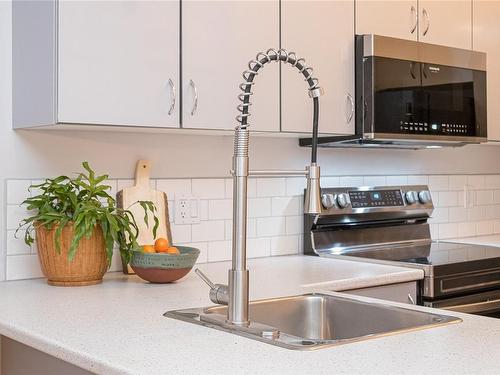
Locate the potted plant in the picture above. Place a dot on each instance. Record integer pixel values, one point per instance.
(77, 224)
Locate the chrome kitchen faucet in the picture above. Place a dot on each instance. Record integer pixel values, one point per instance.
(236, 294)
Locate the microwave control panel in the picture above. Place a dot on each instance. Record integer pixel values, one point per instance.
(435, 128)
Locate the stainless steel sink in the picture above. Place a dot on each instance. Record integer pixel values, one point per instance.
(314, 321)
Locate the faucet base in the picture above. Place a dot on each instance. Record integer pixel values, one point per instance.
(237, 312)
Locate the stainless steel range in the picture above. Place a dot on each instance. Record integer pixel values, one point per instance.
(389, 225)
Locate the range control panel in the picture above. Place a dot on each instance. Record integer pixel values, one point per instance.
(376, 198)
(414, 197)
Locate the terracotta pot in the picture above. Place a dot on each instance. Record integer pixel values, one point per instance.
(87, 267)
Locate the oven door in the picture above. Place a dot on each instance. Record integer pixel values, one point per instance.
(486, 304)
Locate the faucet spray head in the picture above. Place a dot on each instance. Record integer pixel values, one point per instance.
(312, 202)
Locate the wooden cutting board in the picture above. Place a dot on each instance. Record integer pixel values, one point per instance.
(142, 191)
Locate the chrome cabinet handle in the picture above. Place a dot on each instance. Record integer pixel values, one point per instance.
(414, 13)
(195, 90)
(427, 20)
(172, 96)
(349, 114)
(410, 298)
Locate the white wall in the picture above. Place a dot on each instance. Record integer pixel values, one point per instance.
(35, 154)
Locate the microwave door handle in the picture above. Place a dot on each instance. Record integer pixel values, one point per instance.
(474, 308)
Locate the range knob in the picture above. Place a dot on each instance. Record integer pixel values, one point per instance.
(424, 196)
(328, 200)
(411, 197)
(343, 200)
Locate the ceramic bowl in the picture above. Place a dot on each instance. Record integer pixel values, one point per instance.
(164, 268)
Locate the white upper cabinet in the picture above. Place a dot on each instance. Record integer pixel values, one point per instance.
(118, 63)
(397, 19)
(447, 22)
(219, 38)
(321, 32)
(487, 39)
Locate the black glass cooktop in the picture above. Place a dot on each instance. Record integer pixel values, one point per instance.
(435, 253)
(435, 258)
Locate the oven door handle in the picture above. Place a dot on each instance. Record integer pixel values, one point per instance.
(474, 308)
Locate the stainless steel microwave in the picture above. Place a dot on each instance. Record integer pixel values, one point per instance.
(413, 95)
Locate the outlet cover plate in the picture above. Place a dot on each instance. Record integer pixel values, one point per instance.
(187, 209)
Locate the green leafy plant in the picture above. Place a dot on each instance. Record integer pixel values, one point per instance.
(84, 202)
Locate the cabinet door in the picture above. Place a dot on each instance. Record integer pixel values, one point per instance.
(397, 19)
(321, 32)
(219, 38)
(446, 22)
(486, 38)
(119, 62)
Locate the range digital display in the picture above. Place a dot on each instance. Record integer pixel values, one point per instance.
(376, 198)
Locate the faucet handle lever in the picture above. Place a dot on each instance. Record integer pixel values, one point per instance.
(218, 293)
(204, 278)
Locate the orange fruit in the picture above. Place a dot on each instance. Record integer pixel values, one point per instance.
(148, 249)
(173, 250)
(161, 245)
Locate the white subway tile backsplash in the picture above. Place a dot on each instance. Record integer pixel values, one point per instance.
(209, 188)
(418, 180)
(16, 246)
(285, 206)
(284, 245)
(258, 247)
(492, 181)
(496, 196)
(15, 214)
(271, 187)
(23, 267)
(484, 228)
(219, 251)
(203, 209)
(295, 186)
(220, 209)
(467, 229)
(484, 197)
(174, 188)
(17, 191)
(275, 219)
(259, 207)
(448, 230)
(397, 180)
(294, 224)
(328, 181)
(440, 215)
(457, 214)
(351, 181)
(457, 182)
(208, 231)
(374, 181)
(181, 233)
(271, 226)
(438, 183)
(475, 181)
(448, 199)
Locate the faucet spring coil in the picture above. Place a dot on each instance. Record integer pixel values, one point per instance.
(254, 65)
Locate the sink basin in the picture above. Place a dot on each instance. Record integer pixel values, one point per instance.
(314, 321)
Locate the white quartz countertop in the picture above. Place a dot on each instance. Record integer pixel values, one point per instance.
(118, 328)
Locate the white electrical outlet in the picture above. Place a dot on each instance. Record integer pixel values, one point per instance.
(187, 209)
